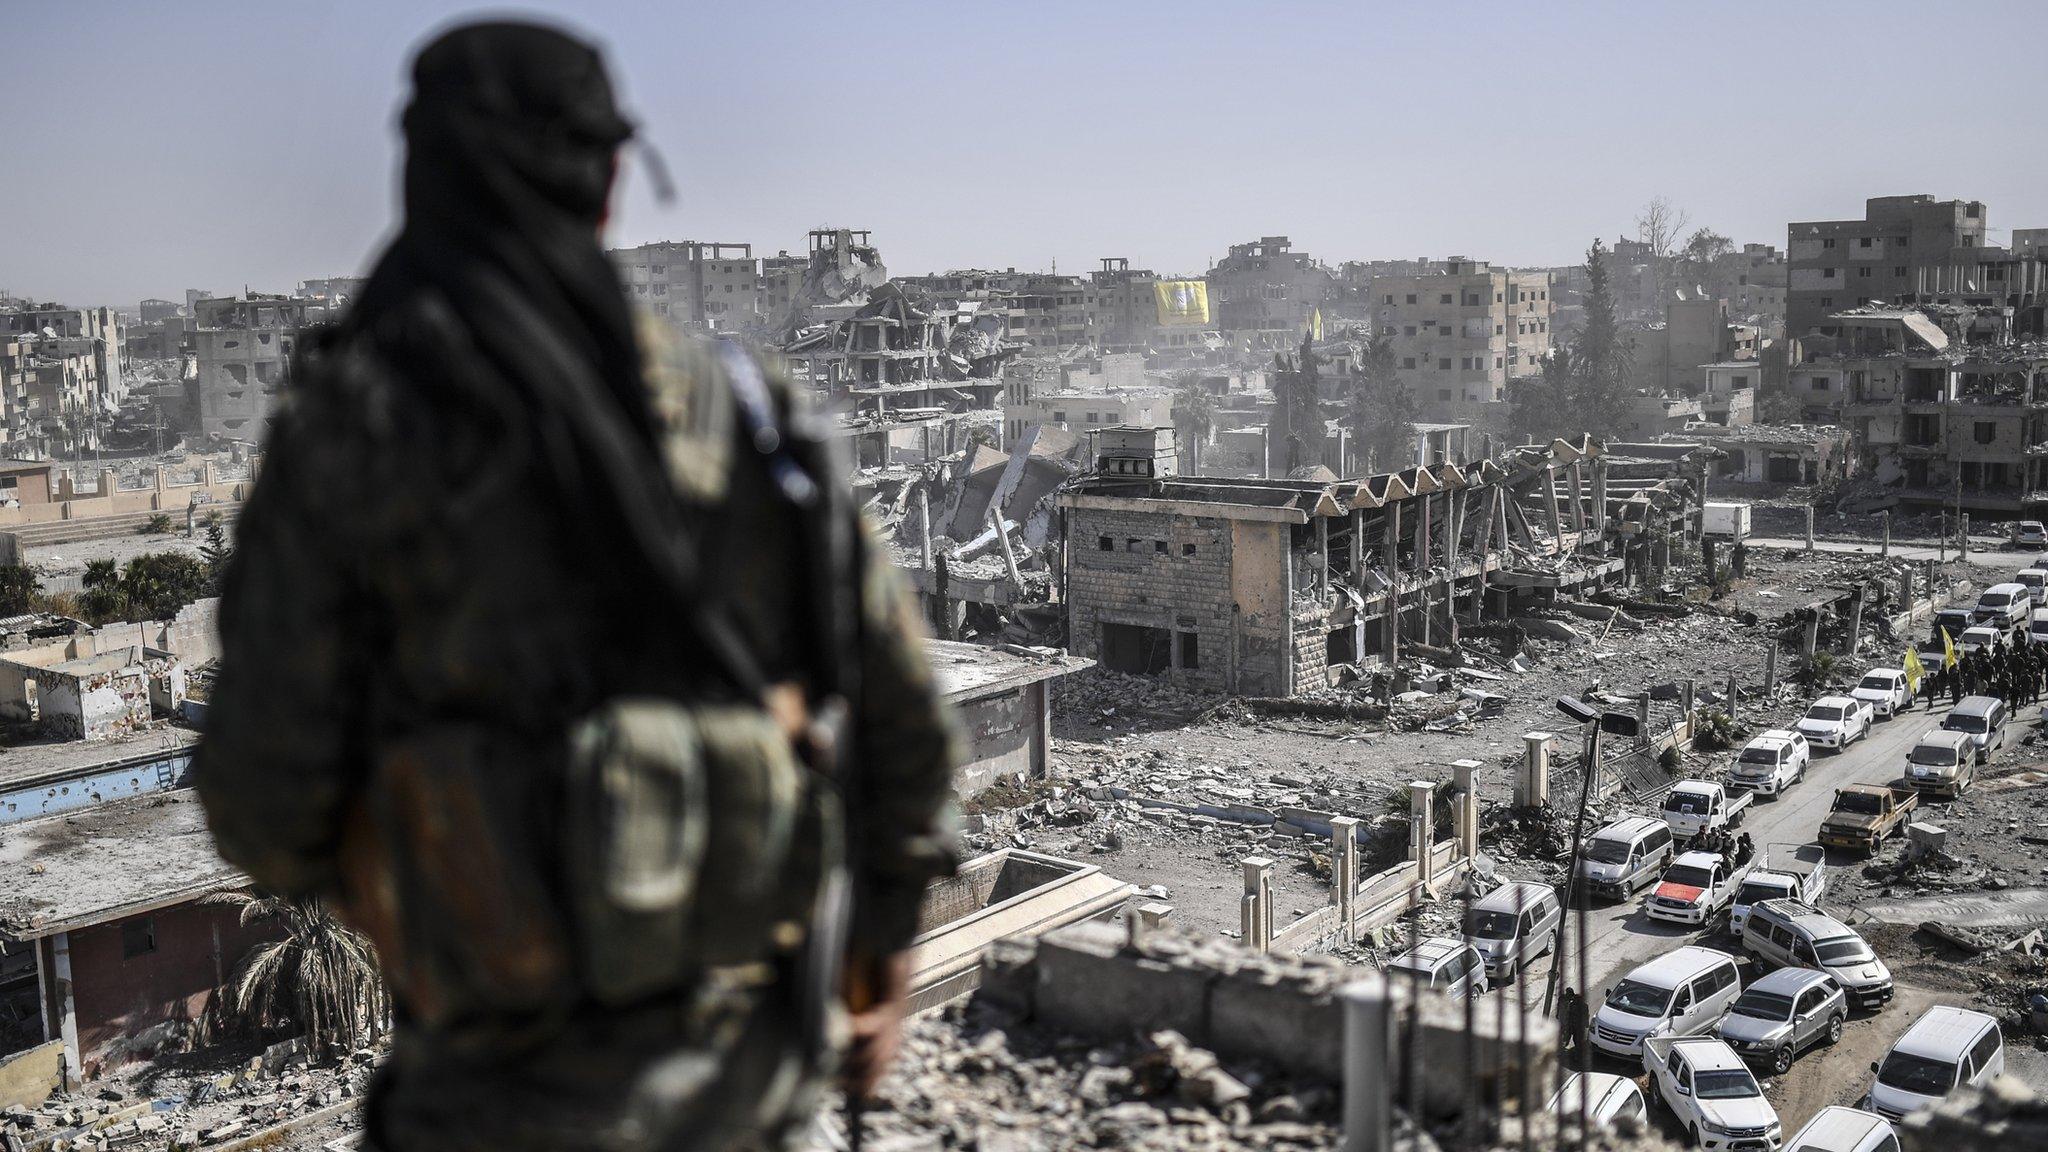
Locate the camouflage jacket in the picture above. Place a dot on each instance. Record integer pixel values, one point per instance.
(415, 634)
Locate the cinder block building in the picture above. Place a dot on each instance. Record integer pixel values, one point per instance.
(1460, 335)
(244, 358)
(1837, 264)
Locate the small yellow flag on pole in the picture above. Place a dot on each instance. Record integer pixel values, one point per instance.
(1914, 671)
(1948, 649)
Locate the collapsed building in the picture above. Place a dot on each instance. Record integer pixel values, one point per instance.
(1941, 402)
(1271, 587)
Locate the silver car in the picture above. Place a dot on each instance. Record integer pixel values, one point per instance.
(1782, 1015)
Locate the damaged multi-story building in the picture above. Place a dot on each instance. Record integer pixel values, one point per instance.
(697, 286)
(1460, 335)
(1264, 587)
(244, 352)
(1944, 404)
(1264, 294)
(1910, 250)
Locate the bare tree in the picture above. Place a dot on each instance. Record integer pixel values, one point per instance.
(1661, 225)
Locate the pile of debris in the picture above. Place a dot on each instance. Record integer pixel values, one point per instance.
(977, 1079)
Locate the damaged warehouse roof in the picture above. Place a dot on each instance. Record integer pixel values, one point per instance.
(63, 872)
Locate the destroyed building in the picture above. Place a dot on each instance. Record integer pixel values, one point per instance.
(1940, 401)
(1264, 294)
(1264, 587)
(1909, 250)
(244, 349)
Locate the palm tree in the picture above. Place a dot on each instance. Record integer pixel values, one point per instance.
(320, 976)
(1194, 416)
(103, 598)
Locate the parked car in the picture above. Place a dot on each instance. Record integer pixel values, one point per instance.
(1445, 964)
(1607, 1098)
(1839, 1129)
(1625, 855)
(1943, 761)
(1786, 933)
(1513, 925)
(1947, 1048)
(1786, 872)
(1951, 621)
(1783, 1014)
(1712, 1093)
(2029, 534)
(2037, 627)
(1772, 762)
(1698, 887)
(1684, 992)
(1983, 719)
(1697, 806)
(1884, 689)
(1835, 722)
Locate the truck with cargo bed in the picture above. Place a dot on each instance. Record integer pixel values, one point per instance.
(1866, 815)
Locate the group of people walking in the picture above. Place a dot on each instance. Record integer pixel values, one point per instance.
(2015, 673)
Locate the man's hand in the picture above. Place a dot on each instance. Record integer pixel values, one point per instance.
(874, 991)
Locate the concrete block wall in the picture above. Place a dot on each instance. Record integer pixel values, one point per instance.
(1311, 647)
(1184, 586)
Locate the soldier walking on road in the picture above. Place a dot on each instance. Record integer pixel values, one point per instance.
(557, 659)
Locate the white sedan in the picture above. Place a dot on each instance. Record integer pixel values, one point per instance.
(1835, 722)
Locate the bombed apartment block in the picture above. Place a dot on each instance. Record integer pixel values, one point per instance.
(1273, 587)
(697, 286)
(244, 349)
(1462, 334)
(1941, 402)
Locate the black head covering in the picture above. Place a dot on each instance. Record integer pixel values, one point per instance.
(512, 135)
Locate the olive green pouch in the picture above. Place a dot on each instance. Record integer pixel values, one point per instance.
(683, 824)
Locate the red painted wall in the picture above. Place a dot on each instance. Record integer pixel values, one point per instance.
(118, 999)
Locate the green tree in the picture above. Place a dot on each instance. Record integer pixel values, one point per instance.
(1600, 357)
(103, 599)
(155, 585)
(1298, 405)
(1379, 410)
(1194, 417)
(1540, 406)
(20, 589)
(319, 976)
(218, 552)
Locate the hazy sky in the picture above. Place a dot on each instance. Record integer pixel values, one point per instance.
(152, 147)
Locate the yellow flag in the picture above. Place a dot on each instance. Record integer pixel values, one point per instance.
(1948, 648)
(1315, 325)
(1914, 670)
(1181, 303)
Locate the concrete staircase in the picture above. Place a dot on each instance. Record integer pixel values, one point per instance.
(105, 527)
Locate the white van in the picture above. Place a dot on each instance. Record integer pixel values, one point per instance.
(2037, 627)
(1625, 855)
(2036, 580)
(1514, 925)
(1443, 963)
(2003, 606)
(1946, 1049)
(1788, 934)
(1982, 719)
(1942, 762)
(1684, 992)
(1839, 1129)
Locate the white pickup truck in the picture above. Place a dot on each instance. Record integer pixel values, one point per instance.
(1696, 888)
(1696, 806)
(1784, 872)
(1712, 1093)
(1772, 762)
(1884, 689)
(1835, 722)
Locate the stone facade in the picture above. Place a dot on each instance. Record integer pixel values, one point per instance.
(1160, 571)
